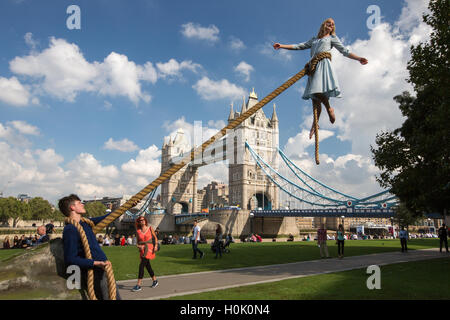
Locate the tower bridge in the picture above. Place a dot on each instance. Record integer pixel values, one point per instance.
(249, 188)
(259, 174)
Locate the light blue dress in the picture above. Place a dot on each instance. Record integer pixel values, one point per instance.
(324, 79)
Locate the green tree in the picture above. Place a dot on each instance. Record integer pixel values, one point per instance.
(41, 209)
(415, 159)
(95, 209)
(14, 209)
(404, 217)
(58, 215)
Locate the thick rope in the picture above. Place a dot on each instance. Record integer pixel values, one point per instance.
(199, 150)
(316, 133)
(87, 252)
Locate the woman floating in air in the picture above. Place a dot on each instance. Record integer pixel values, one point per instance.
(323, 84)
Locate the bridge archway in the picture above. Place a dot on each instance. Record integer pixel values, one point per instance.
(180, 207)
(259, 200)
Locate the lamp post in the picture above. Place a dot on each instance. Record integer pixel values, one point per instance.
(393, 229)
(252, 215)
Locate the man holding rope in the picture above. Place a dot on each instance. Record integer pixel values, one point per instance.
(77, 227)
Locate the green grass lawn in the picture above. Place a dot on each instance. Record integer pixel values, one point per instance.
(177, 259)
(8, 253)
(411, 280)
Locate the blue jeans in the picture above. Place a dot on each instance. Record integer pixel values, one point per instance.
(196, 249)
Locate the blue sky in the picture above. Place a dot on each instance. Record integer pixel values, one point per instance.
(138, 68)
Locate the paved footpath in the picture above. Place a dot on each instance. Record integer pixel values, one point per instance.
(182, 284)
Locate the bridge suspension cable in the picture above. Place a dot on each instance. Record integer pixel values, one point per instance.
(315, 193)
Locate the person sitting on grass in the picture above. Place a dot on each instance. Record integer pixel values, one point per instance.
(6, 244)
(43, 237)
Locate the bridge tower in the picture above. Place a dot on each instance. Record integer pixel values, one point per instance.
(249, 187)
(178, 193)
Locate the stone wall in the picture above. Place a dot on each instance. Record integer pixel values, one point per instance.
(39, 273)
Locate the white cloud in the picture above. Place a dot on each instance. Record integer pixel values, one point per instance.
(244, 69)
(86, 166)
(30, 41)
(62, 71)
(117, 76)
(147, 163)
(296, 146)
(123, 145)
(236, 44)
(214, 90)
(25, 128)
(173, 68)
(196, 31)
(13, 133)
(13, 92)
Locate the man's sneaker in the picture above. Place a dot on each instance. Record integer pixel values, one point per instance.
(154, 284)
(136, 288)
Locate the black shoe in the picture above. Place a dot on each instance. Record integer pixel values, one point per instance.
(136, 288)
(154, 284)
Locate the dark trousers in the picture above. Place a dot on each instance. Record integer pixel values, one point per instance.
(145, 263)
(443, 241)
(340, 244)
(404, 245)
(100, 285)
(196, 249)
(219, 249)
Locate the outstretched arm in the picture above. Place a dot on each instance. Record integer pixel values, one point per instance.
(355, 57)
(277, 46)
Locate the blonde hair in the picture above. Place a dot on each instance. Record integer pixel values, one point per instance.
(322, 30)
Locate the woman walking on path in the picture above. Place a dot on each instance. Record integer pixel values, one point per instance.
(323, 84)
(147, 245)
(340, 241)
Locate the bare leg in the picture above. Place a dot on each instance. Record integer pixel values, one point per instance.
(326, 103)
(316, 104)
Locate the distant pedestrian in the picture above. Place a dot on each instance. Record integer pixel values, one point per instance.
(403, 235)
(322, 241)
(122, 241)
(117, 240)
(340, 239)
(443, 233)
(218, 243)
(195, 240)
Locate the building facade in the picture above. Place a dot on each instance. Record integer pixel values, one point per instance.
(249, 187)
